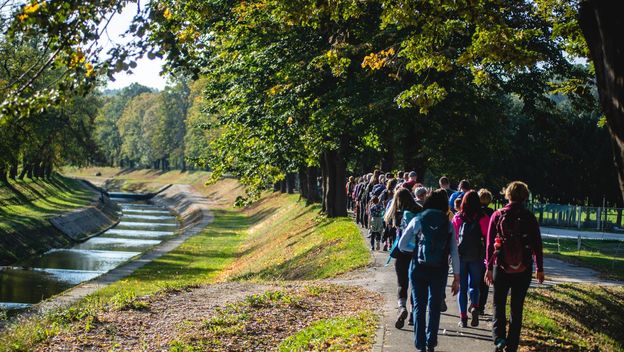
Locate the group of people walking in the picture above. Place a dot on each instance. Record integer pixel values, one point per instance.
(427, 231)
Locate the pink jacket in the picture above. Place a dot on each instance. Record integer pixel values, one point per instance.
(484, 222)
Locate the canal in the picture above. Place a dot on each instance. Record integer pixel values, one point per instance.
(142, 226)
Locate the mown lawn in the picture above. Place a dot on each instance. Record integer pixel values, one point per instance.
(606, 257)
(27, 204)
(574, 317)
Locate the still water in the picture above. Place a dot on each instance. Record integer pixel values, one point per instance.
(142, 226)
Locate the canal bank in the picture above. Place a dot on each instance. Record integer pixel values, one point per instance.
(192, 212)
(35, 235)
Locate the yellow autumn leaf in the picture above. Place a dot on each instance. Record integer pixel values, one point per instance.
(89, 69)
(167, 14)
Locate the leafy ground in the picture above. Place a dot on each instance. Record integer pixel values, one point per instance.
(606, 257)
(574, 317)
(279, 238)
(27, 204)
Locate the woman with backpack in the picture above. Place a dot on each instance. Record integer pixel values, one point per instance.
(430, 238)
(401, 211)
(471, 226)
(514, 244)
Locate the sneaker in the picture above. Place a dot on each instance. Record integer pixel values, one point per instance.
(410, 320)
(400, 322)
(463, 323)
(474, 322)
(443, 307)
(385, 247)
(481, 311)
(499, 345)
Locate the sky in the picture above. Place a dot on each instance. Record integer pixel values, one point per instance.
(147, 71)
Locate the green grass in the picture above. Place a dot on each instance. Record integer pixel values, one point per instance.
(283, 240)
(291, 241)
(574, 317)
(606, 257)
(353, 333)
(136, 180)
(28, 204)
(198, 260)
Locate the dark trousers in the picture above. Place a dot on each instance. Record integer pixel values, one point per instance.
(484, 289)
(374, 236)
(427, 285)
(518, 284)
(402, 268)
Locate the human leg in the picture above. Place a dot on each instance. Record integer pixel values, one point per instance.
(501, 290)
(483, 291)
(401, 268)
(519, 288)
(420, 296)
(436, 279)
(463, 289)
(474, 279)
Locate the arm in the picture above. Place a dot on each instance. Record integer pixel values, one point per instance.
(536, 245)
(453, 250)
(484, 222)
(491, 235)
(407, 242)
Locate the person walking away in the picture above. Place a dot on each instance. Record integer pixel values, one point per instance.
(411, 181)
(356, 200)
(445, 184)
(514, 244)
(349, 189)
(464, 186)
(402, 210)
(430, 238)
(420, 193)
(376, 223)
(471, 226)
(485, 197)
(389, 233)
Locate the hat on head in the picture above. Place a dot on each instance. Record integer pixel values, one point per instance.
(413, 174)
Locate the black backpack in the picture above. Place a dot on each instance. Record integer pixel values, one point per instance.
(471, 245)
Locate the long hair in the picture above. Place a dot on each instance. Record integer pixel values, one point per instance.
(405, 201)
(437, 199)
(470, 206)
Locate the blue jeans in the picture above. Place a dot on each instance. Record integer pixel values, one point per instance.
(470, 273)
(427, 285)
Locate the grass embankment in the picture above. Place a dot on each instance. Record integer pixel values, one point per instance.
(29, 203)
(606, 257)
(574, 318)
(278, 238)
(136, 180)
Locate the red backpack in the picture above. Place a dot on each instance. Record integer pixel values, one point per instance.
(512, 249)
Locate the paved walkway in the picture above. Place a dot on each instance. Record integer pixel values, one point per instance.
(575, 233)
(381, 278)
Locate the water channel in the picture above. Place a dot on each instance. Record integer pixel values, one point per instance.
(142, 226)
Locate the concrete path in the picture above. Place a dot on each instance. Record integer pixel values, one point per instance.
(574, 233)
(381, 278)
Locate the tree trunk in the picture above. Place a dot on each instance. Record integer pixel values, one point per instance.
(602, 25)
(283, 187)
(303, 184)
(13, 170)
(3, 173)
(48, 170)
(312, 185)
(323, 183)
(30, 171)
(335, 197)
(25, 167)
(290, 183)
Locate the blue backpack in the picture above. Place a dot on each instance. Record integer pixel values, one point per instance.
(432, 242)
